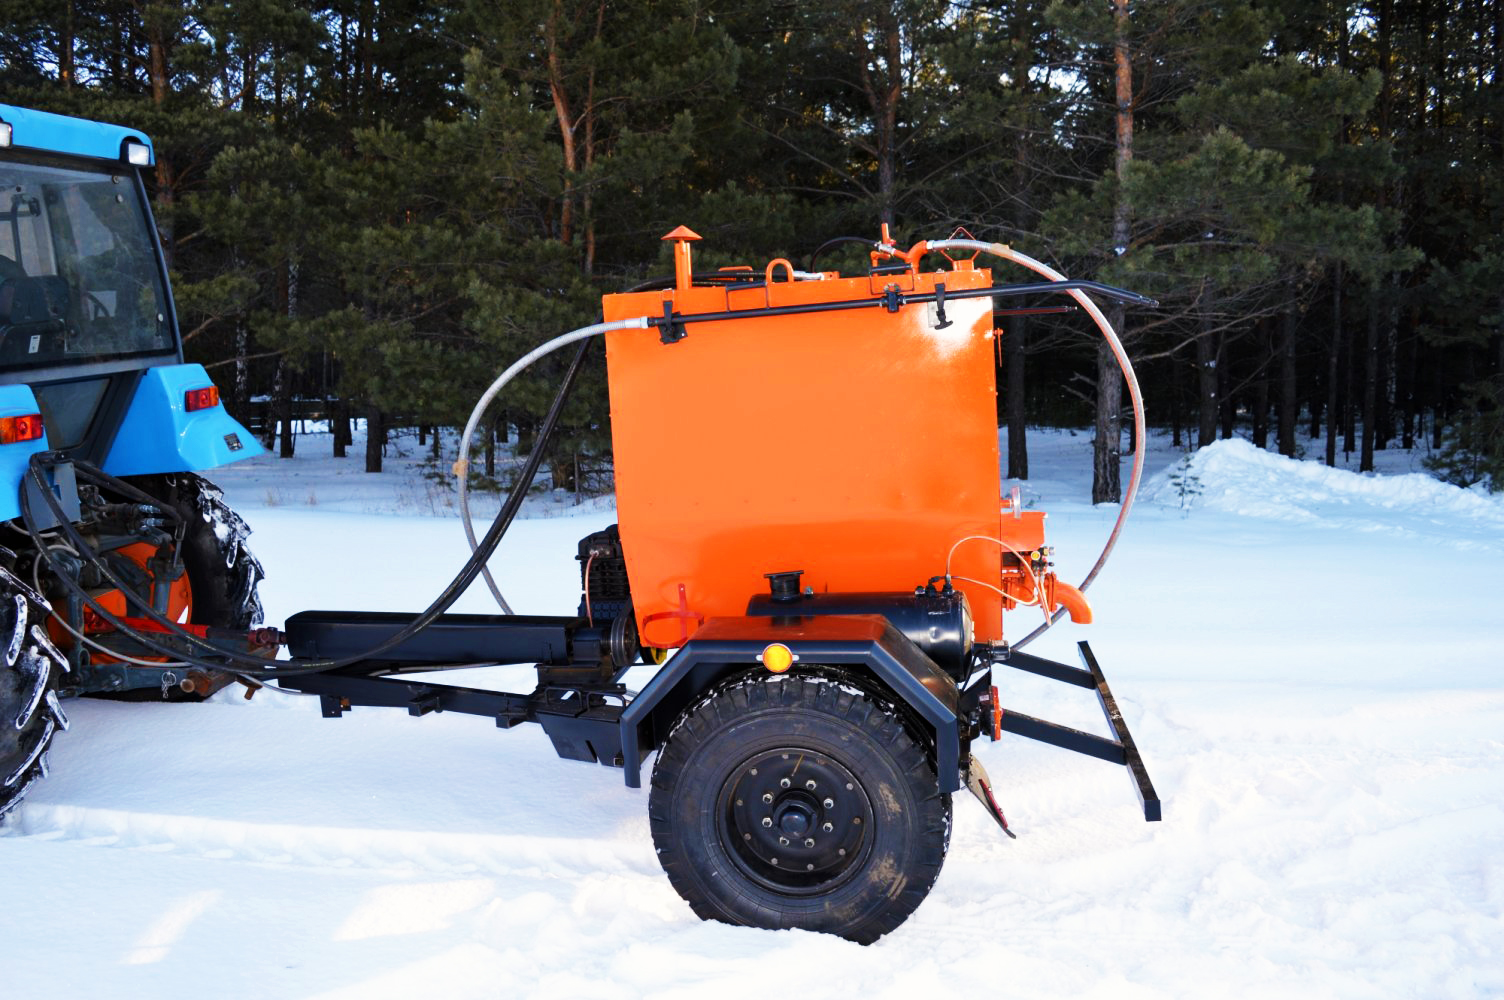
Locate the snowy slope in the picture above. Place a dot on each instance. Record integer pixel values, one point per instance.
(1309, 659)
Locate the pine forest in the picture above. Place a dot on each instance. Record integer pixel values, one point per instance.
(370, 207)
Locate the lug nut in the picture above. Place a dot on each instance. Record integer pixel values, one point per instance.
(809, 841)
(809, 868)
(827, 828)
(784, 783)
(783, 841)
(810, 784)
(767, 796)
(767, 821)
(830, 803)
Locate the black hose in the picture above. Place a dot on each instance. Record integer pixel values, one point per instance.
(837, 241)
(256, 666)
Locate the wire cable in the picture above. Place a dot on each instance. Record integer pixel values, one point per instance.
(1129, 378)
(524, 482)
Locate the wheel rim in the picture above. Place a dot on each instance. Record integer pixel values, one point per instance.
(794, 820)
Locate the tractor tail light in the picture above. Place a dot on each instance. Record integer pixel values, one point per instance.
(25, 428)
(201, 399)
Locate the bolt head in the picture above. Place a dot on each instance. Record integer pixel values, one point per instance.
(827, 828)
(810, 784)
(830, 803)
(766, 797)
(784, 783)
(784, 841)
(767, 821)
(809, 841)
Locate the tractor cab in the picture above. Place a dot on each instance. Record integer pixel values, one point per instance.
(86, 315)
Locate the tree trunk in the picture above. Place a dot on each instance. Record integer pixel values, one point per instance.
(1225, 411)
(1177, 391)
(375, 436)
(1405, 381)
(157, 50)
(567, 122)
(1333, 369)
(1261, 391)
(490, 452)
(1106, 486)
(1370, 385)
(1206, 379)
(339, 426)
(1018, 443)
(1287, 413)
(284, 410)
(65, 70)
(1349, 400)
(1383, 411)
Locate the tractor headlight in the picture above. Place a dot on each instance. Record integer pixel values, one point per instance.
(137, 154)
(4, 134)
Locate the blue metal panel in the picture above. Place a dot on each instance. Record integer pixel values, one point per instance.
(160, 435)
(61, 134)
(16, 401)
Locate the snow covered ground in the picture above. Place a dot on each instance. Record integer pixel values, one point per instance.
(1310, 661)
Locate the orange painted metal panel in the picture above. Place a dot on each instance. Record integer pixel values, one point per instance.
(857, 446)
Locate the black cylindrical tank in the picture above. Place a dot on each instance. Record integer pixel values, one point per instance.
(938, 622)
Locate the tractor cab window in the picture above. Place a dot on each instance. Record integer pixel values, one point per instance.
(79, 279)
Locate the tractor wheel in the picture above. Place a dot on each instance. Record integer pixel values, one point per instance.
(797, 801)
(222, 573)
(30, 670)
(221, 570)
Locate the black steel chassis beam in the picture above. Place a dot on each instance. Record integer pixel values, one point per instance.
(579, 722)
(1119, 750)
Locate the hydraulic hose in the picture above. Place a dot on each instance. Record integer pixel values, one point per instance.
(519, 492)
(1129, 378)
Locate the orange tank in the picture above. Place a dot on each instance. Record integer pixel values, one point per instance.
(858, 444)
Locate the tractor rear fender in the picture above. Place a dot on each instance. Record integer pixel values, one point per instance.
(867, 645)
(160, 433)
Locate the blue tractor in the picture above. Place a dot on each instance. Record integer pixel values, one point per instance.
(103, 428)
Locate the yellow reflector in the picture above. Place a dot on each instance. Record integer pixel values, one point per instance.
(777, 658)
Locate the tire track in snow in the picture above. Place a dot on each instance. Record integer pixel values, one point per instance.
(433, 852)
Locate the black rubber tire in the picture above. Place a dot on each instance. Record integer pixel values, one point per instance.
(222, 572)
(31, 668)
(708, 838)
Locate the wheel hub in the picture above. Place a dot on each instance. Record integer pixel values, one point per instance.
(794, 820)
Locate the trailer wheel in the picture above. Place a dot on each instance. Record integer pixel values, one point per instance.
(797, 801)
(30, 670)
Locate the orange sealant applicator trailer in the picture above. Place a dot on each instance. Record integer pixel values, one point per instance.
(809, 516)
(858, 445)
